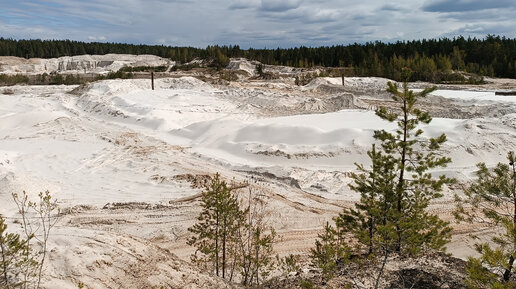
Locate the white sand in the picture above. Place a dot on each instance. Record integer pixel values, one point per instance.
(119, 141)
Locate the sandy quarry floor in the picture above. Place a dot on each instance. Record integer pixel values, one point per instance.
(126, 162)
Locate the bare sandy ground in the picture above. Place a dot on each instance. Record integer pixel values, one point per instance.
(126, 162)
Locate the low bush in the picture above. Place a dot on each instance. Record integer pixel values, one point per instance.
(161, 68)
(8, 80)
(115, 75)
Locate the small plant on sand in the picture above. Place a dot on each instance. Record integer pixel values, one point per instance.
(288, 264)
(37, 220)
(22, 256)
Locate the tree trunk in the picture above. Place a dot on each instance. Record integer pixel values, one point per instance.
(4, 262)
(217, 243)
(257, 260)
(371, 221)
(224, 228)
(508, 272)
(377, 283)
(401, 179)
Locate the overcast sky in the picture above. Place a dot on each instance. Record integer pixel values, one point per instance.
(254, 23)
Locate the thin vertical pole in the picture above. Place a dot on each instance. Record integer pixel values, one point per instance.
(152, 79)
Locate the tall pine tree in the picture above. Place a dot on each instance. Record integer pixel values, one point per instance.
(392, 216)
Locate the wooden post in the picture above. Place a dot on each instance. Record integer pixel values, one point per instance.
(152, 79)
(342, 75)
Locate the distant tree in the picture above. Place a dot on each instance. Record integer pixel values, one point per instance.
(219, 59)
(491, 201)
(259, 69)
(457, 59)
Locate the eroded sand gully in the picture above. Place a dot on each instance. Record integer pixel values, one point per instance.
(127, 163)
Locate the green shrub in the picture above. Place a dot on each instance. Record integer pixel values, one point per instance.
(161, 68)
(185, 67)
(13, 79)
(115, 75)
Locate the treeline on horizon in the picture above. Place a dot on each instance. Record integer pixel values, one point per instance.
(431, 60)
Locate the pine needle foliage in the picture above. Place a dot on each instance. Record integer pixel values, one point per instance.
(255, 240)
(231, 236)
(216, 227)
(395, 192)
(403, 174)
(13, 257)
(330, 250)
(491, 201)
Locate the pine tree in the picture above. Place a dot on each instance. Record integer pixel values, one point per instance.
(217, 226)
(398, 188)
(233, 236)
(330, 250)
(413, 158)
(372, 214)
(255, 241)
(491, 201)
(391, 216)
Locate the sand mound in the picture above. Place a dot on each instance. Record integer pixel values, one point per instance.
(242, 64)
(185, 82)
(337, 140)
(318, 81)
(119, 87)
(176, 102)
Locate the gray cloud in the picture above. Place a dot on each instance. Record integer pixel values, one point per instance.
(304, 15)
(492, 15)
(279, 5)
(244, 4)
(390, 7)
(253, 23)
(466, 5)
